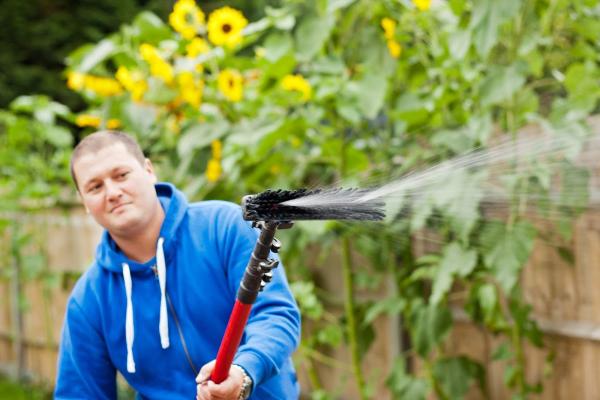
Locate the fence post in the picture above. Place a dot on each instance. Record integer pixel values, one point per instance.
(17, 310)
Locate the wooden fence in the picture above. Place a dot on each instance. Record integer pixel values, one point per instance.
(565, 299)
(66, 242)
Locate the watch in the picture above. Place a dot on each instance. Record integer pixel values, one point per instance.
(246, 388)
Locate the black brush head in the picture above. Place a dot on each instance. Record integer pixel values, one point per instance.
(324, 204)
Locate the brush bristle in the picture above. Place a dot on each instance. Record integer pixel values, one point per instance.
(267, 206)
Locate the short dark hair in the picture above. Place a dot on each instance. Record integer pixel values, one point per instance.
(101, 139)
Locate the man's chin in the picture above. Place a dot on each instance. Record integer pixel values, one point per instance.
(122, 224)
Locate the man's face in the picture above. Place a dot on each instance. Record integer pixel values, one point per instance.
(117, 190)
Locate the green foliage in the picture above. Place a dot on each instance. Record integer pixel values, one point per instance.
(35, 146)
(466, 70)
(10, 390)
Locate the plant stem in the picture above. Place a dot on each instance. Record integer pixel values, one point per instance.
(439, 392)
(311, 371)
(16, 303)
(517, 344)
(350, 306)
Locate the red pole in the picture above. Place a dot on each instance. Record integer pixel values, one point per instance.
(231, 341)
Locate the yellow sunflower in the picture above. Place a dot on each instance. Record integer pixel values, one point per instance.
(422, 5)
(158, 66)
(133, 81)
(394, 48)
(389, 27)
(225, 26)
(231, 84)
(187, 18)
(113, 123)
(190, 89)
(85, 120)
(197, 46)
(75, 80)
(102, 86)
(217, 149)
(299, 84)
(213, 170)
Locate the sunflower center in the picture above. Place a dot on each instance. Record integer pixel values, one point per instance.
(226, 28)
(231, 83)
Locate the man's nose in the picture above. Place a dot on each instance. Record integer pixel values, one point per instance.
(113, 191)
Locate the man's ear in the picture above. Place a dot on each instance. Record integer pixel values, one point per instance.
(150, 169)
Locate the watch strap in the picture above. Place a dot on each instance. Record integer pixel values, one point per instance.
(247, 383)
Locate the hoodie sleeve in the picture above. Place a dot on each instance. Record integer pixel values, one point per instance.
(84, 368)
(273, 329)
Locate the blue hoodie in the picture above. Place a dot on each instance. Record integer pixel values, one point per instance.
(117, 317)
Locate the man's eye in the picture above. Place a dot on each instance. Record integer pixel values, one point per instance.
(94, 188)
(123, 174)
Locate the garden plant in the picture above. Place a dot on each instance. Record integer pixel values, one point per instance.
(324, 93)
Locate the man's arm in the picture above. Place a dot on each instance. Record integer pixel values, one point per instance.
(84, 367)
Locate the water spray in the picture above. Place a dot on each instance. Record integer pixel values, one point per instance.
(277, 209)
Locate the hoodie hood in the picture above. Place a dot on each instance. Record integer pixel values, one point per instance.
(174, 204)
(112, 259)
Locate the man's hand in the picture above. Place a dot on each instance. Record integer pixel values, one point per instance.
(229, 389)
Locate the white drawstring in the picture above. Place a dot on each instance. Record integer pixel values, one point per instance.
(129, 334)
(163, 324)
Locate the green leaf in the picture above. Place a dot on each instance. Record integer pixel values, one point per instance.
(333, 5)
(488, 299)
(60, 137)
(100, 52)
(311, 34)
(574, 192)
(277, 45)
(486, 19)
(506, 249)
(456, 261)
(421, 212)
(331, 335)
(430, 324)
(459, 43)
(159, 92)
(390, 306)
(502, 352)
(455, 140)
(200, 136)
(500, 84)
(250, 131)
(457, 194)
(411, 108)
(284, 21)
(347, 108)
(150, 28)
(278, 69)
(140, 117)
(42, 108)
(304, 293)
(581, 81)
(456, 374)
(371, 93)
(405, 386)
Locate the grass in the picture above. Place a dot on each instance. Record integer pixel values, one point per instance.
(14, 391)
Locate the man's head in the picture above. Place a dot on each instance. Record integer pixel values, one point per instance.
(115, 182)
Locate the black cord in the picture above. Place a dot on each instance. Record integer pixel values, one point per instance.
(185, 349)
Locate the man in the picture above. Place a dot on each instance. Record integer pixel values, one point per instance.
(155, 303)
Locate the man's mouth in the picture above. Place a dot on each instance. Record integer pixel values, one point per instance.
(118, 207)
